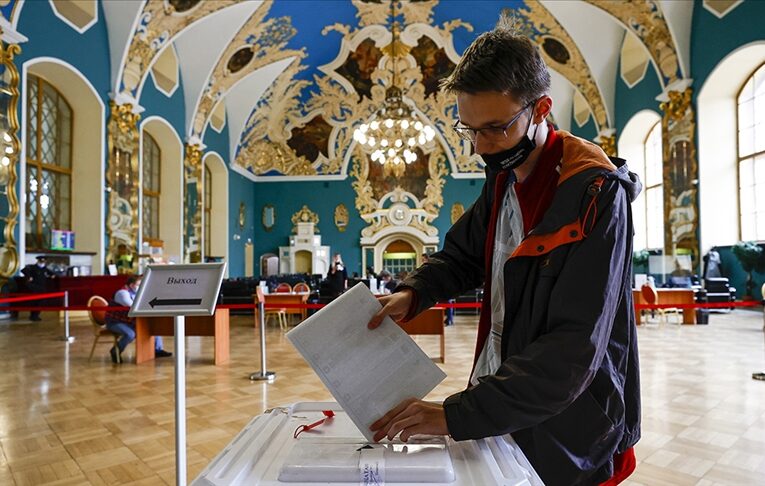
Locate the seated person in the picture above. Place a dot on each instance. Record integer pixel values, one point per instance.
(118, 322)
(386, 282)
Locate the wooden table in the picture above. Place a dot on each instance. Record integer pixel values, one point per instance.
(429, 322)
(285, 298)
(669, 296)
(148, 327)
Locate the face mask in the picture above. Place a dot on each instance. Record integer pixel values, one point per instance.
(41, 265)
(513, 157)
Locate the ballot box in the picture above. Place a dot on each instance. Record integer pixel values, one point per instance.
(266, 452)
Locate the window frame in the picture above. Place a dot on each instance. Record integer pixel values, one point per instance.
(207, 191)
(35, 160)
(149, 192)
(646, 187)
(739, 158)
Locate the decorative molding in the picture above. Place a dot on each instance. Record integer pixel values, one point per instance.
(305, 215)
(266, 40)
(122, 220)
(264, 148)
(721, 8)
(158, 24)
(607, 141)
(458, 209)
(9, 251)
(681, 206)
(192, 213)
(341, 217)
(561, 53)
(646, 20)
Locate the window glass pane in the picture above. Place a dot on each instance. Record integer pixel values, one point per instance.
(759, 138)
(32, 117)
(746, 142)
(49, 126)
(655, 217)
(653, 157)
(759, 82)
(746, 115)
(31, 208)
(758, 110)
(747, 93)
(63, 201)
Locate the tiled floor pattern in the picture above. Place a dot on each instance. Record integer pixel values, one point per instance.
(64, 420)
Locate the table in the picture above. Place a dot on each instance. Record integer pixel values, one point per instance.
(285, 298)
(429, 322)
(669, 296)
(216, 325)
(261, 453)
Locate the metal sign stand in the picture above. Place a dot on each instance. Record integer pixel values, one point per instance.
(180, 400)
(263, 375)
(66, 337)
(165, 291)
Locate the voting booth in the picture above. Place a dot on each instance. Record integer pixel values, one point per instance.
(266, 452)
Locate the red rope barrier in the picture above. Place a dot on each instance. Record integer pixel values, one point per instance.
(26, 297)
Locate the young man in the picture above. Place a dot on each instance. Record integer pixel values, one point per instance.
(550, 237)
(118, 322)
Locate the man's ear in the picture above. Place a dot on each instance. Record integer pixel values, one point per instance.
(542, 109)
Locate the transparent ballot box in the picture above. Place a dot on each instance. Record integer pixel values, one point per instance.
(266, 452)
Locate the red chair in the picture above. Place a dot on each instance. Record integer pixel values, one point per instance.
(302, 287)
(281, 314)
(283, 288)
(651, 297)
(98, 320)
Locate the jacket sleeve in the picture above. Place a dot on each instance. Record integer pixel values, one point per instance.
(551, 372)
(459, 266)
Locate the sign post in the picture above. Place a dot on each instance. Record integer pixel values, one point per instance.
(179, 291)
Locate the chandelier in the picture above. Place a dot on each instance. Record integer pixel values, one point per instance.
(395, 131)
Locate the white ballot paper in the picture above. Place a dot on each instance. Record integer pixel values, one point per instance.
(367, 371)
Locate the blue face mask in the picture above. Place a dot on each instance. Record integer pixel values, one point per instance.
(513, 157)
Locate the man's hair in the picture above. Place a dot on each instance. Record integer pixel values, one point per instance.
(133, 279)
(501, 60)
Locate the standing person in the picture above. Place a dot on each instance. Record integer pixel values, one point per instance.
(338, 275)
(118, 322)
(36, 279)
(556, 361)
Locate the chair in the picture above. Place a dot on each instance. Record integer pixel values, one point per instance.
(283, 288)
(98, 320)
(301, 287)
(719, 290)
(651, 297)
(281, 314)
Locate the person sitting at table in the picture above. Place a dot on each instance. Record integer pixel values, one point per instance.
(387, 282)
(118, 322)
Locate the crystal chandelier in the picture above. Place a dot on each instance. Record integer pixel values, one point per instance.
(395, 131)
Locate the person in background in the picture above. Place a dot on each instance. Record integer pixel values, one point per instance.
(118, 322)
(36, 279)
(449, 320)
(338, 275)
(387, 284)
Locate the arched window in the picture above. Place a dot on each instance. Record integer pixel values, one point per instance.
(152, 160)
(654, 189)
(207, 199)
(751, 156)
(49, 163)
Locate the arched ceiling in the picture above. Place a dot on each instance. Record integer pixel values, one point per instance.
(586, 35)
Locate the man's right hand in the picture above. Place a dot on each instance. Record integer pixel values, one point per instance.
(396, 306)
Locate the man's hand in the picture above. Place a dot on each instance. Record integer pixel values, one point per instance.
(396, 306)
(411, 417)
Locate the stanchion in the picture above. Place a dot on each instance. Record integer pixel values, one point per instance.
(67, 337)
(180, 401)
(263, 375)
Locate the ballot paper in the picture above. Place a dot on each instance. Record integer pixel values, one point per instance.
(367, 371)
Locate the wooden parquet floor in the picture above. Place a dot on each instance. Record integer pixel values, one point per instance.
(64, 420)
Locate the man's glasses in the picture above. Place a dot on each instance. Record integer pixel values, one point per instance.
(490, 133)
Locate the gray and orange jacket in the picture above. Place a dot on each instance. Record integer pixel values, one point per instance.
(568, 388)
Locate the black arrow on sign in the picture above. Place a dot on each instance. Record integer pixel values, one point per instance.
(155, 301)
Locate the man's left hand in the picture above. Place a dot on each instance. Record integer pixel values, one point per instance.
(411, 417)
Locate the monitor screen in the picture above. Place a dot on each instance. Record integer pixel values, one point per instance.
(61, 240)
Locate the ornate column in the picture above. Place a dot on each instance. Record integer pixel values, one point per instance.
(607, 141)
(122, 187)
(681, 207)
(9, 149)
(193, 192)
